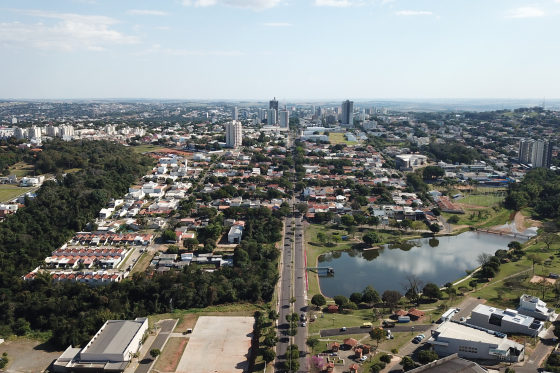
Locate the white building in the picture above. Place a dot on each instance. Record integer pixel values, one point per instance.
(235, 113)
(534, 307)
(34, 133)
(32, 181)
(14, 120)
(504, 321)
(370, 125)
(472, 343)
(52, 131)
(20, 133)
(234, 134)
(111, 349)
(409, 161)
(284, 117)
(235, 234)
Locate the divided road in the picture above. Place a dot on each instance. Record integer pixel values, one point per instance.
(357, 330)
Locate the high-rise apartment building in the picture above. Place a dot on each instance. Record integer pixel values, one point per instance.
(235, 113)
(312, 110)
(234, 134)
(272, 117)
(14, 120)
(537, 153)
(273, 105)
(347, 113)
(284, 116)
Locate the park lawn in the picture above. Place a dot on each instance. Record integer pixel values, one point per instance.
(8, 192)
(494, 218)
(481, 200)
(337, 138)
(142, 263)
(171, 354)
(357, 318)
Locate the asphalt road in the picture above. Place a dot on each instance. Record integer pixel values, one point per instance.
(146, 363)
(357, 330)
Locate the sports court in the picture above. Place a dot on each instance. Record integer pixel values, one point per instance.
(218, 344)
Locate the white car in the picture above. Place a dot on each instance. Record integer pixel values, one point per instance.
(343, 329)
(363, 358)
(304, 324)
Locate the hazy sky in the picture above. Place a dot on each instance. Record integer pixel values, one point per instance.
(298, 49)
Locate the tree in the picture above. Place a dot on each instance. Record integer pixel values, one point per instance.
(318, 300)
(515, 245)
(385, 358)
(549, 239)
(340, 300)
(273, 315)
(168, 235)
(407, 363)
(427, 356)
(391, 298)
(155, 352)
(412, 286)
(433, 172)
(356, 298)
(435, 228)
(377, 367)
(509, 370)
(315, 364)
(483, 258)
(371, 238)
(321, 237)
(488, 272)
(347, 220)
(336, 238)
(432, 291)
(473, 284)
(271, 339)
(370, 295)
(269, 355)
(535, 259)
(302, 208)
(378, 335)
(352, 231)
(190, 243)
(436, 211)
(312, 343)
(453, 219)
(500, 254)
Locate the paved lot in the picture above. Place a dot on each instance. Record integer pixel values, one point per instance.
(219, 345)
(357, 330)
(466, 307)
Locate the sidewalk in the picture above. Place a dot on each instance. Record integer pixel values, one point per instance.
(143, 351)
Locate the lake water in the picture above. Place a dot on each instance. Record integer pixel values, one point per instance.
(438, 260)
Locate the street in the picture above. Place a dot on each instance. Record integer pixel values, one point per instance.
(359, 330)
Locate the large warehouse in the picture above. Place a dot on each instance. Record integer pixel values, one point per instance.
(110, 350)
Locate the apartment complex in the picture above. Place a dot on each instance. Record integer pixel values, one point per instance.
(234, 134)
(537, 153)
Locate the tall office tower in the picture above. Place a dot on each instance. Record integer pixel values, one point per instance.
(348, 113)
(320, 111)
(235, 113)
(284, 119)
(312, 110)
(271, 117)
(538, 153)
(234, 134)
(273, 105)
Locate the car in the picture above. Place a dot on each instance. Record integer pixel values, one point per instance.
(304, 324)
(333, 354)
(421, 336)
(363, 358)
(463, 319)
(388, 324)
(343, 329)
(300, 234)
(457, 309)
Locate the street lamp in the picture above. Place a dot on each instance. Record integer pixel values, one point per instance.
(413, 330)
(333, 321)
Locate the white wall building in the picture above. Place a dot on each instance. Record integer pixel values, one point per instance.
(234, 134)
(284, 117)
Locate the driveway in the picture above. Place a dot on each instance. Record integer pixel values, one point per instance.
(166, 326)
(467, 306)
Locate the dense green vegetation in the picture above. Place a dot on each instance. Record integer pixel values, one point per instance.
(452, 152)
(69, 313)
(540, 189)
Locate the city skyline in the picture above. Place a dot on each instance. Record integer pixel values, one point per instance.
(181, 50)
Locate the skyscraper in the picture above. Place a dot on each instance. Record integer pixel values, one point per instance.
(284, 119)
(272, 117)
(234, 134)
(347, 113)
(235, 113)
(312, 110)
(537, 153)
(273, 105)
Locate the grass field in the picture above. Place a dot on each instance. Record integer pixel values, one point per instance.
(22, 169)
(481, 200)
(337, 138)
(171, 355)
(146, 148)
(7, 192)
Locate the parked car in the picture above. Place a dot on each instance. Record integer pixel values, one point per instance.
(343, 329)
(388, 324)
(334, 353)
(304, 324)
(463, 319)
(366, 325)
(363, 358)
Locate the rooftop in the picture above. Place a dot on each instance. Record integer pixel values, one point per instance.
(114, 338)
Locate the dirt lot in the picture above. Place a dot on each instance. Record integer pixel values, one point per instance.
(226, 337)
(187, 322)
(171, 355)
(28, 356)
(537, 279)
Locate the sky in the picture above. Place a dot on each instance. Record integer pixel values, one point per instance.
(293, 49)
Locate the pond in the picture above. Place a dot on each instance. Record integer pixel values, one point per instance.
(438, 260)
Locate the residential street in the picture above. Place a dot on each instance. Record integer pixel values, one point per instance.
(167, 327)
